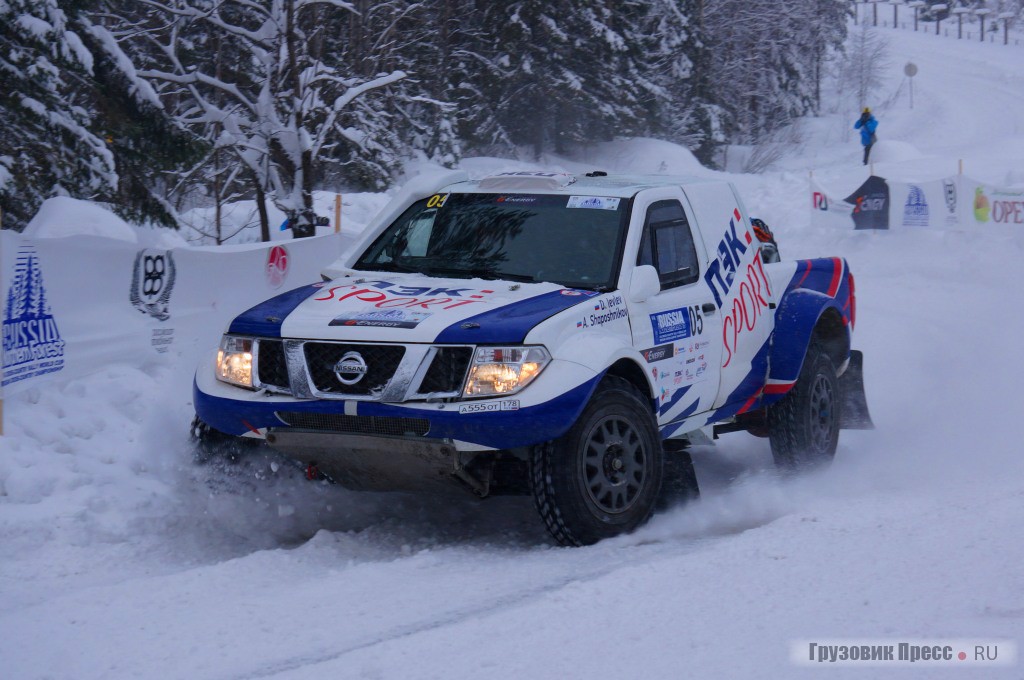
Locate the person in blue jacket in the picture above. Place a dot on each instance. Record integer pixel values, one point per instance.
(867, 126)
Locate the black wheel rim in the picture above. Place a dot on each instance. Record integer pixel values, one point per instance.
(614, 464)
(823, 414)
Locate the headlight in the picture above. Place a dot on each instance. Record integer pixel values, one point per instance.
(234, 360)
(504, 370)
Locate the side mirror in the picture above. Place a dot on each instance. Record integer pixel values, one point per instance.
(644, 283)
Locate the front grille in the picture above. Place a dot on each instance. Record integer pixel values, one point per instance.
(273, 369)
(381, 363)
(376, 425)
(447, 371)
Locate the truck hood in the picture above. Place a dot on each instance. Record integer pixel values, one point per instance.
(409, 308)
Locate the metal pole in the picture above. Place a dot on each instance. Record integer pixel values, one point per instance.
(874, 11)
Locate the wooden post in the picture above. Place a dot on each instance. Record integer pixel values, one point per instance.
(337, 213)
(960, 167)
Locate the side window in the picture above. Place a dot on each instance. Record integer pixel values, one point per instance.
(668, 245)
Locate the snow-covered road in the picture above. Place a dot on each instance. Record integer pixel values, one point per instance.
(119, 558)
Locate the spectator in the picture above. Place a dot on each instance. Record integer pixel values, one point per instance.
(867, 126)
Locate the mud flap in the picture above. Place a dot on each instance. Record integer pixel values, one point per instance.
(855, 414)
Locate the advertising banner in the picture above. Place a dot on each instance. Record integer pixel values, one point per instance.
(984, 205)
(870, 204)
(73, 304)
(955, 202)
(829, 211)
(933, 204)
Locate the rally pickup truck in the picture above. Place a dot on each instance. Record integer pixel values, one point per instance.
(566, 337)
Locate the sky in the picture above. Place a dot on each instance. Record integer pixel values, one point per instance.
(120, 558)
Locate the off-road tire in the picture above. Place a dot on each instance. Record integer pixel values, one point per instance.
(679, 482)
(603, 477)
(803, 427)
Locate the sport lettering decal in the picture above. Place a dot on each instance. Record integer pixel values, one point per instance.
(386, 295)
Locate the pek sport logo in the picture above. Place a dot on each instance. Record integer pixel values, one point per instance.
(32, 342)
(748, 299)
(385, 295)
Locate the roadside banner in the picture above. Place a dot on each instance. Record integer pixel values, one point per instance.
(827, 210)
(956, 202)
(984, 205)
(73, 304)
(870, 204)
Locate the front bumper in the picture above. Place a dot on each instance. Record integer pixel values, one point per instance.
(543, 411)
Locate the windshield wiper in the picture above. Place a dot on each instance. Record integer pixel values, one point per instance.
(388, 267)
(478, 273)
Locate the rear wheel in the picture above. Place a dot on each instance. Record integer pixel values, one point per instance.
(804, 426)
(603, 477)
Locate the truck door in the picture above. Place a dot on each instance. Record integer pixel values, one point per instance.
(676, 330)
(741, 293)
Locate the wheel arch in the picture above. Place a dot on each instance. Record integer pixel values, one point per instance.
(630, 371)
(804, 318)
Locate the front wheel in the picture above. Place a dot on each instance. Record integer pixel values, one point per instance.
(804, 426)
(601, 478)
(210, 444)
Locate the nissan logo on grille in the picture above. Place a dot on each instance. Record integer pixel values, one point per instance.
(351, 368)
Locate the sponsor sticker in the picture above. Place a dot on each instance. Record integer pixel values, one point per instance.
(490, 406)
(32, 342)
(153, 278)
(949, 191)
(277, 266)
(383, 318)
(670, 325)
(658, 353)
(593, 202)
(915, 210)
(517, 200)
(152, 283)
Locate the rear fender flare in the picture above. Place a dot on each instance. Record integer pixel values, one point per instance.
(802, 314)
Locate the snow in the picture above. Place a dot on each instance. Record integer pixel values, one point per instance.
(66, 216)
(121, 558)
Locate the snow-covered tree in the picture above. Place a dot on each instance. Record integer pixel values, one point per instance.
(46, 146)
(864, 67)
(284, 106)
(766, 59)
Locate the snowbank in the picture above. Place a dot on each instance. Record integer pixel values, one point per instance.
(64, 216)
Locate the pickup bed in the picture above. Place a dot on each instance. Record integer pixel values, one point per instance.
(562, 336)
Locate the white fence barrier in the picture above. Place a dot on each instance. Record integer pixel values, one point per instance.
(71, 305)
(956, 202)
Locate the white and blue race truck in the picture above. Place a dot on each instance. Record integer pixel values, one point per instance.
(562, 336)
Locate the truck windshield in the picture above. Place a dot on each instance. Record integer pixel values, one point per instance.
(574, 241)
